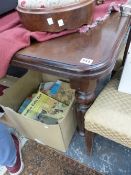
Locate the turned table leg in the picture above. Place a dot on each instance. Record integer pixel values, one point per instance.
(85, 95)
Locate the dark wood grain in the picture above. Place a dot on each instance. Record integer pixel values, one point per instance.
(61, 57)
(73, 17)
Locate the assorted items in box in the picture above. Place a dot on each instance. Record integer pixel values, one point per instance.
(46, 127)
(58, 90)
(49, 104)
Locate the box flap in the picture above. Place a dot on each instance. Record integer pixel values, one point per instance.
(17, 93)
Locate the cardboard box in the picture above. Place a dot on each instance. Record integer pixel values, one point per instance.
(57, 136)
(8, 81)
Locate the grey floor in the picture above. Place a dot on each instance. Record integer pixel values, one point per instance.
(108, 157)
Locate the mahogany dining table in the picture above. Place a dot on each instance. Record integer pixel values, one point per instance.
(83, 58)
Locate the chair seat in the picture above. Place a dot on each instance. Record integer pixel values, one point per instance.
(110, 115)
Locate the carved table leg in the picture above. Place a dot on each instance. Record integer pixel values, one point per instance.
(85, 95)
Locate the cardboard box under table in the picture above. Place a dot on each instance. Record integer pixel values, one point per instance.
(57, 136)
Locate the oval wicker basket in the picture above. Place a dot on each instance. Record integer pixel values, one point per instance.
(57, 19)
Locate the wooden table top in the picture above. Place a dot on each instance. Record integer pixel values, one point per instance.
(63, 55)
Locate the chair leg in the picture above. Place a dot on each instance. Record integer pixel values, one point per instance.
(89, 137)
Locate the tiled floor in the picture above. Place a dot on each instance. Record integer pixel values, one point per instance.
(108, 157)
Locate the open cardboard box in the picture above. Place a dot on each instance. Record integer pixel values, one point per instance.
(57, 136)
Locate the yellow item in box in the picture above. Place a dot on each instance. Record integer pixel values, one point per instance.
(42, 103)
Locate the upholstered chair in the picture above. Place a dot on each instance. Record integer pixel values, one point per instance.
(110, 116)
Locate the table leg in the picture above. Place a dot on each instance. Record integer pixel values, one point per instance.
(85, 96)
(127, 47)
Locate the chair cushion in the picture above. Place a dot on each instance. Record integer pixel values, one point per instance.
(110, 115)
(34, 4)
